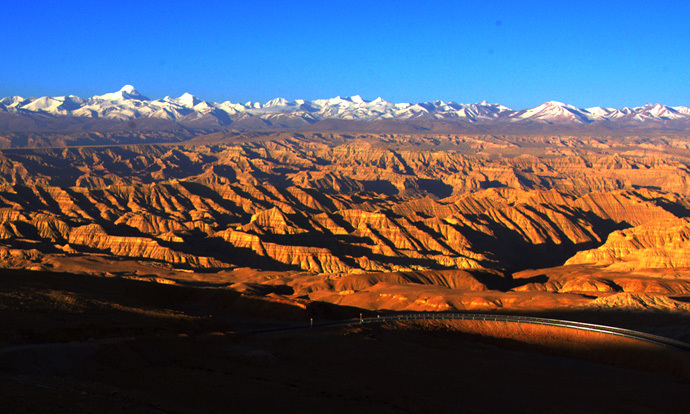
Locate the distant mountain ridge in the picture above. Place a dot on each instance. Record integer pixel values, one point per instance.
(128, 104)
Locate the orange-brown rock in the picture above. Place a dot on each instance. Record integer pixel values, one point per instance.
(637, 302)
(334, 206)
(655, 244)
(95, 237)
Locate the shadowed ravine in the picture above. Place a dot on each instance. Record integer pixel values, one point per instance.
(154, 261)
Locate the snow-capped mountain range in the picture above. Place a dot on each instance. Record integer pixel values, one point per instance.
(127, 104)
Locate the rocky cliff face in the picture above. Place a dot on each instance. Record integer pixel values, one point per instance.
(654, 244)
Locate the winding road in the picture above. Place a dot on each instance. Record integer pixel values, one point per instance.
(427, 316)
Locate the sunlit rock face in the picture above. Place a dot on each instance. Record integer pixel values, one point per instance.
(654, 244)
(327, 206)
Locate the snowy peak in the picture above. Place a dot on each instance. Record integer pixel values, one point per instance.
(663, 112)
(126, 92)
(554, 112)
(356, 99)
(189, 100)
(276, 102)
(127, 104)
(186, 100)
(128, 89)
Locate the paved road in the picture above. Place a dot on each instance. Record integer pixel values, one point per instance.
(610, 330)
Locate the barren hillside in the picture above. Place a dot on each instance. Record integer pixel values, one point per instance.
(313, 210)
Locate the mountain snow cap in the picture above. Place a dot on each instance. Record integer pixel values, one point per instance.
(188, 100)
(276, 102)
(129, 89)
(356, 99)
(554, 103)
(126, 92)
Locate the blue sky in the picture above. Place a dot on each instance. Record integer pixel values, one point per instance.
(518, 53)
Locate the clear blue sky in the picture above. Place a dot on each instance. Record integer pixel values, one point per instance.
(518, 53)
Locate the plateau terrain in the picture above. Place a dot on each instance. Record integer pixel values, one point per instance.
(148, 229)
(375, 221)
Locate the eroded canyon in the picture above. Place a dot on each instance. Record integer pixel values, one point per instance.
(374, 221)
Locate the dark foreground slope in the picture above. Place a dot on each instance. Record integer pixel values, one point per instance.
(83, 344)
